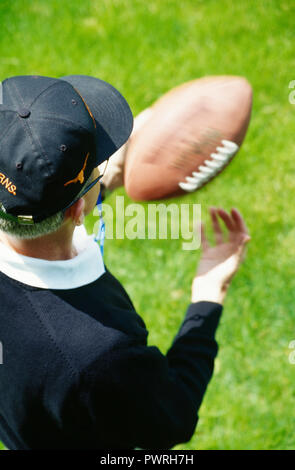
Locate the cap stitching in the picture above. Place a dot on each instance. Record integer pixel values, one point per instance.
(58, 82)
(21, 121)
(6, 131)
(28, 130)
(18, 93)
(63, 120)
(27, 127)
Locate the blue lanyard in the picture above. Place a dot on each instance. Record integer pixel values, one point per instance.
(100, 236)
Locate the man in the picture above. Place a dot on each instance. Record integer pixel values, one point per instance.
(77, 372)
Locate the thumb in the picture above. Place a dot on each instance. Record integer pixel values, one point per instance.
(246, 239)
(241, 251)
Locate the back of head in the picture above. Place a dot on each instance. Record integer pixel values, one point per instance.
(53, 133)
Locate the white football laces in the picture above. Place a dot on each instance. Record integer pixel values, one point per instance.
(210, 168)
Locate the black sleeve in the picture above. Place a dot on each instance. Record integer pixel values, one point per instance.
(150, 400)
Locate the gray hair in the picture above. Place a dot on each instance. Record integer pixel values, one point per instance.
(49, 225)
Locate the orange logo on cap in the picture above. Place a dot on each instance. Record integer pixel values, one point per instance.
(4, 180)
(80, 176)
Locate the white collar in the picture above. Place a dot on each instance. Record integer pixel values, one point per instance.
(83, 269)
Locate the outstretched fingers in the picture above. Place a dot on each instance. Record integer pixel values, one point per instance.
(227, 219)
(234, 222)
(216, 226)
(239, 221)
(204, 241)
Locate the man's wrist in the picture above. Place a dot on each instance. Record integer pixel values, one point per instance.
(203, 289)
(113, 172)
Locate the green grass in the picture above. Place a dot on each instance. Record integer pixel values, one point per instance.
(144, 49)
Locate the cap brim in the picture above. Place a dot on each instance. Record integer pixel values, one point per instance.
(112, 114)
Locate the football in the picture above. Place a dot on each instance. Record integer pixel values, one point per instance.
(190, 136)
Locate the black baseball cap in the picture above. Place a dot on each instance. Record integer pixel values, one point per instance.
(53, 133)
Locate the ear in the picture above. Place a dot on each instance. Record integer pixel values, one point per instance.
(76, 212)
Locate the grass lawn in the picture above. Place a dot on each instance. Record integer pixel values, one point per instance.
(144, 49)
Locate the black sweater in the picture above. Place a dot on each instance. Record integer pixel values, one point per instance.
(77, 372)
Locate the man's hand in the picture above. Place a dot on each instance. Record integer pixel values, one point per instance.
(219, 263)
(113, 172)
